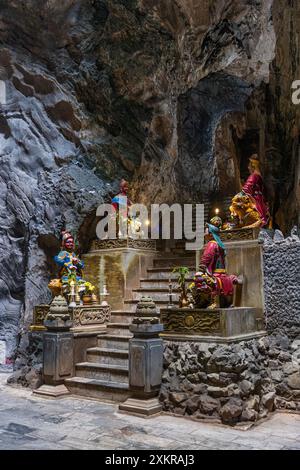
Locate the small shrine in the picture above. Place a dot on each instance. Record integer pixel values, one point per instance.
(80, 295)
(208, 298)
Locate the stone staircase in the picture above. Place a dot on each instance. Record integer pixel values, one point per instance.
(104, 374)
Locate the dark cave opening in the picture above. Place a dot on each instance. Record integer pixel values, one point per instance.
(245, 146)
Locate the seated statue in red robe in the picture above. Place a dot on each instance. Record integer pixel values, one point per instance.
(254, 188)
(213, 258)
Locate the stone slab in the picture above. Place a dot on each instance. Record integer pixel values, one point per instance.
(245, 258)
(52, 391)
(239, 234)
(212, 339)
(124, 243)
(144, 408)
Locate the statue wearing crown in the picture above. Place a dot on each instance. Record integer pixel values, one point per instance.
(70, 282)
(249, 208)
(68, 261)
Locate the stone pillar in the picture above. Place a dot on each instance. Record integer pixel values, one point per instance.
(57, 350)
(145, 361)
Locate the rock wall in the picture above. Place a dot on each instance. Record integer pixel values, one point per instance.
(231, 383)
(281, 260)
(282, 129)
(93, 91)
(146, 89)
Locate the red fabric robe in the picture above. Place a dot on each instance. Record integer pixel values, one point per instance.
(213, 258)
(254, 188)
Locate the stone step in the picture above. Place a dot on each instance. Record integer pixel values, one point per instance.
(101, 389)
(165, 273)
(131, 304)
(157, 294)
(157, 282)
(113, 341)
(119, 328)
(111, 356)
(174, 262)
(102, 371)
(122, 316)
(173, 254)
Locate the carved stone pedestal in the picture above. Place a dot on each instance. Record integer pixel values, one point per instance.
(218, 325)
(58, 345)
(145, 361)
(52, 391)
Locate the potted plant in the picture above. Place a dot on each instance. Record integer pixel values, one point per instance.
(88, 293)
(182, 273)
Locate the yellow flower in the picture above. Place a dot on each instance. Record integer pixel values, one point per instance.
(89, 287)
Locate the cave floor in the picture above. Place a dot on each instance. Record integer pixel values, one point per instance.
(34, 423)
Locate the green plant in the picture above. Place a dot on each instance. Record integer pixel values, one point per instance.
(182, 273)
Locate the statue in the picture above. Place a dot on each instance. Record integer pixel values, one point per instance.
(70, 264)
(123, 193)
(254, 188)
(132, 224)
(70, 282)
(243, 212)
(213, 266)
(249, 208)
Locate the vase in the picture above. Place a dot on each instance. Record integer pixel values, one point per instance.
(86, 299)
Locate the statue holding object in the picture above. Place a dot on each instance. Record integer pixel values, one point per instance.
(68, 261)
(70, 282)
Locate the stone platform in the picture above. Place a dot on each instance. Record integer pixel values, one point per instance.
(239, 234)
(87, 317)
(218, 325)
